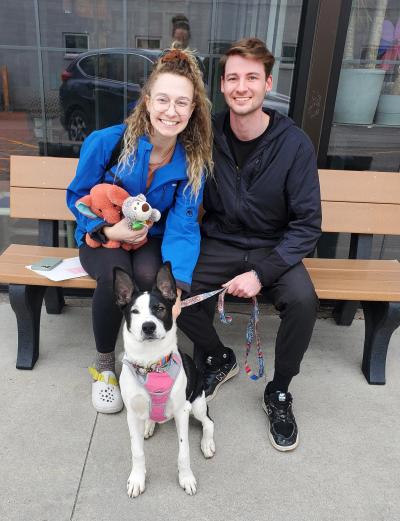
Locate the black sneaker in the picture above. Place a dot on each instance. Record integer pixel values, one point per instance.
(216, 373)
(283, 432)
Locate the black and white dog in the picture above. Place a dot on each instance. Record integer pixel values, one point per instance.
(157, 381)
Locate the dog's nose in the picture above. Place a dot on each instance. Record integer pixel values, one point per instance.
(148, 328)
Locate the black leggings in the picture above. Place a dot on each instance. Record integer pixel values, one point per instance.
(141, 264)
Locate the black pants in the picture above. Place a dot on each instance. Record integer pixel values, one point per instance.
(292, 294)
(142, 264)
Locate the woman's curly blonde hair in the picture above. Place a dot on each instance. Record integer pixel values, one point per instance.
(196, 138)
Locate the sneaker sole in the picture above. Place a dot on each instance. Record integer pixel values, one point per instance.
(271, 438)
(233, 372)
(107, 410)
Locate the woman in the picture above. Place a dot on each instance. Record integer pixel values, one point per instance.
(166, 149)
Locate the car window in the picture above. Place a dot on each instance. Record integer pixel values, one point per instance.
(88, 65)
(111, 66)
(139, 69)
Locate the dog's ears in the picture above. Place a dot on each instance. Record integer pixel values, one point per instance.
(124, 287)
(165, 282)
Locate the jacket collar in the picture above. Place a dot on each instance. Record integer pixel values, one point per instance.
(175, 170)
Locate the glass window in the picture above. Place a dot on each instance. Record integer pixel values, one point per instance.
(54, 103)
(75, 43)
(365, 133)
(148, 43)
(17, 23)
(366, 124)
(111, 66)
(139, 69)
(88, 65)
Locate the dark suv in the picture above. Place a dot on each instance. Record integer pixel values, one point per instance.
(100, 87)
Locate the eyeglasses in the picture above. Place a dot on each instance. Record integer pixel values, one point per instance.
(162, 104)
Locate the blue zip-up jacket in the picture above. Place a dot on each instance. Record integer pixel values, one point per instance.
(178, 226)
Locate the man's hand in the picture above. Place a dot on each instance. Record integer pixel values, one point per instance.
(245, 285)
(176, 310)
(122, 232)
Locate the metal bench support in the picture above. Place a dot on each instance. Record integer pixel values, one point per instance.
(48, 236)
(26, 301)
(381, 320)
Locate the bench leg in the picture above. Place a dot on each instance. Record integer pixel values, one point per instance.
(26, 301)
(381, 319)
(344, 311)
(54, 300)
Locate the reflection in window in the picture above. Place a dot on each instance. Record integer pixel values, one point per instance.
(366, 123)
(111, 67)
(88, 65)
(139, 69)
(75, 43)
(148, 43)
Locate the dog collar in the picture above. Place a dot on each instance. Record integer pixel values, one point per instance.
(159, 366)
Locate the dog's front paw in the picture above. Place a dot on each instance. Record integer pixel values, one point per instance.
(149, 428)
(136, 483)
(187, 481)
(208, 447)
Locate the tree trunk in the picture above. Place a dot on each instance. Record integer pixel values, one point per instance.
(348, 53)
(396, 83)
(375, 33)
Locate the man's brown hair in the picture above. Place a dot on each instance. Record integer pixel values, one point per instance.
(252, 48)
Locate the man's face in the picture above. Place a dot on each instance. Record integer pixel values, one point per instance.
(244, 85)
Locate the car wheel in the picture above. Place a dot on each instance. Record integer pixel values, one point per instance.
(78, 127)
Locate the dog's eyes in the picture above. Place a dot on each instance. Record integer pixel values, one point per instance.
(159, 309)
(135, 312)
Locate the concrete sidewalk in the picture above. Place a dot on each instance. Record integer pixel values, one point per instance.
(61, 461)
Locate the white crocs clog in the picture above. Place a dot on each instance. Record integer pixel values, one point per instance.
(106, 395)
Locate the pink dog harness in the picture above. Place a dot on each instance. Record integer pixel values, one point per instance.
(158, 380)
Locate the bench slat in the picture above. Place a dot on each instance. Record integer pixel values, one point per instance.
(352, 202)
(17, 256)
(39, 203)
(365, 186)
(351, 264)
(45, 172)
(361, 218)
(33, 250)
(12, 274)
(346, 289)
(348, 280)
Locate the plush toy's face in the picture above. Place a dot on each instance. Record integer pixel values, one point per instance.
(140, 210)
(104, 201)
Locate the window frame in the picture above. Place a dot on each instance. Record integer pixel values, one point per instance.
(69, 51)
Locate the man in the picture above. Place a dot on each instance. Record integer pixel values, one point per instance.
(262, 217)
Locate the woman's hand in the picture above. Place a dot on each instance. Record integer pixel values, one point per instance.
(176, 310)
(122, 232)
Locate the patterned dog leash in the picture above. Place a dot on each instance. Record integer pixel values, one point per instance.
(251, 330)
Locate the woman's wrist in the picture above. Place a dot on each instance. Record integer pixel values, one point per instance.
(105, 230)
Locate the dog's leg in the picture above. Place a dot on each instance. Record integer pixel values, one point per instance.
(149, 427)
(200, 412)
(136, 480)
(186, 478)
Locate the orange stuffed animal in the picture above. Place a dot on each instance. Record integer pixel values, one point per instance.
(105, 201)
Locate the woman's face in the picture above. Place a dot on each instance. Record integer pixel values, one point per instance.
(170, 104)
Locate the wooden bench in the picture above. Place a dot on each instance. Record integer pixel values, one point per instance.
(361, 203)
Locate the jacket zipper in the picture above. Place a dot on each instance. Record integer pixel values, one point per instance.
(238, 178)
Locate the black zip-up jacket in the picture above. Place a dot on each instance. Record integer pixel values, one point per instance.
(273, 202)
